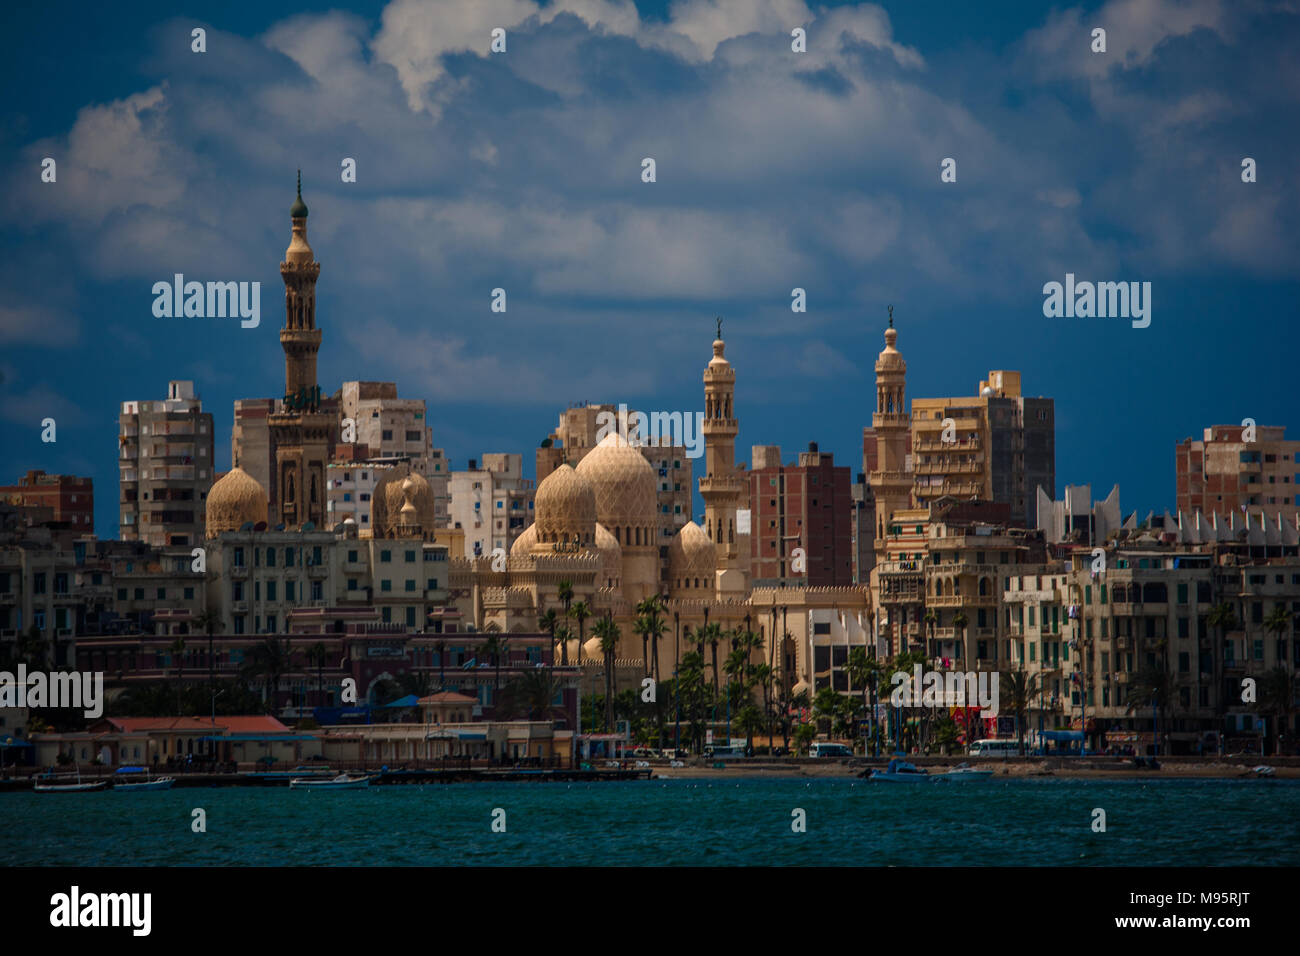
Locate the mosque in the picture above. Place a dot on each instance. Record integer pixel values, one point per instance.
(595, 525)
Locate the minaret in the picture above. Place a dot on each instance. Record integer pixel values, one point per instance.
(721, 486)
(892, 482)
(300, 430)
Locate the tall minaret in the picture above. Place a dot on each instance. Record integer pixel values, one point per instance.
(892, 482)
(722, 486)
(300, 430)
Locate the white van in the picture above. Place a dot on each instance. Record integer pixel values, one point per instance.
(1001, 747)
(829, 750)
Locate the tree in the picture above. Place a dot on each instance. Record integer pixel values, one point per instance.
(178, 648)
(208, 621)
(532, 693)
(270, 660)
(959, 622)
(1277, 691)
(441, 647)
(1018, 689)
(1222, 619)
(607, 632)
(1150, 686)
(493, 645)
(804, 735)
(566, 597)
(316, 655)
(548, 621)
(865, 671)
(580, 612)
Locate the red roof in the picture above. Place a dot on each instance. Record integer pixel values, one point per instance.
(447, 697)
(261, 724)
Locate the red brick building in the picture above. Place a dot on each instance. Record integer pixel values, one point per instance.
(807, 505)
(71, 498)
(1231, 470)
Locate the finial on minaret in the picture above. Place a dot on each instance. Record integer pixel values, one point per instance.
(719, 326)
(891, 316)
(299, 208)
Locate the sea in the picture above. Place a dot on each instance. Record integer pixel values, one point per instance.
(680, 822)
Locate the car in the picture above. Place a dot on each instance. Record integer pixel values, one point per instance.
(829, 750)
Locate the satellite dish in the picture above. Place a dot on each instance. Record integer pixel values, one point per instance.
(260, 526)
(246, 526)
(309, 526)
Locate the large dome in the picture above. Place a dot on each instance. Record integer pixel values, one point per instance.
(235, 500)
(565, 506)
(692, 558)
(625, 487)
(402, 499)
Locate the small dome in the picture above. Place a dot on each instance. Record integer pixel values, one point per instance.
(611, 555)
(890, 358)
(235, 500)
(394, 492)
(691, 556)
(565, 508)
(624, 485)
(591, 650)
(524, 543)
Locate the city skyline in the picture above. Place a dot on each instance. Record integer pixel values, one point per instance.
(613, 283)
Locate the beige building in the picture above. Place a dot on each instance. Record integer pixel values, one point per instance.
(392, 427)
(997, 445)
(493, 504)
(164, 467)
(350, 488)
(1231, 470)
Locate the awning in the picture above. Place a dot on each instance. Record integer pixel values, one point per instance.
(410, 700)
(1063, 735)
(14, 742)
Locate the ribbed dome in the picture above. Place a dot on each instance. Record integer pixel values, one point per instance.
(691, 556)
(524, 543)
(566, 509)
(611, 557)
(624, 484)
(233, 501)
(591, 650)
(389, 512)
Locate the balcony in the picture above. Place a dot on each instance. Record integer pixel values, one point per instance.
(317, 571)
(238, 571)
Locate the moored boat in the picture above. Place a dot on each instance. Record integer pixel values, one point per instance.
(343, 781)
(963, 771)
(63, 783)
(900, 771)
(148, 784)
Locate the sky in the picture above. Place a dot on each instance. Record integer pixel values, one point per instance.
(775, 170)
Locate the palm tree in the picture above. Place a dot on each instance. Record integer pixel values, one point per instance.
(641, 628)
(566, 597)
(608, 634)
(1150, 686)
(533, 692)
(493, 645)
(548, 621)
(441, 647)
(1222, 618)
(178, 648)
(316, 655)
(1277, 691)
(580, 611)
(1019, 689)
(713, 637)
(208, 620)
(270, 660)
(931, 619)
(959, 622)
(863, 671)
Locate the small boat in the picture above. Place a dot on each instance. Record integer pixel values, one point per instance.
(148, 784)
(963, 771)
(68, 786)
(1263, 770)
(900, 771)
(343, 781)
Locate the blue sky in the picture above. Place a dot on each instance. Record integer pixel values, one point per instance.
(775, 170)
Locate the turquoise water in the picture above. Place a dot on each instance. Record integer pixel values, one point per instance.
(667, 823)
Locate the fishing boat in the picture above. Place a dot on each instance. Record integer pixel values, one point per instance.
(343, 781)
(900, 771)
(963, 771)
(62, 783)
(1263, 770)
(148, 784)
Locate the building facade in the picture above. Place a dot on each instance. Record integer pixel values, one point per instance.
(1224, 473)
(807, 505)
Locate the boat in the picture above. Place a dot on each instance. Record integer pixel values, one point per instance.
(343, 781)
(68, 787)
(1263, 770)
(900, 771)
(288, 776)
(148, 784)
(963, 771)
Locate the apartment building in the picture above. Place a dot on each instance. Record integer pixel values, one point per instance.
(807, 505)
(998, 445)
(165, 468)
(71, 500)
(1234, 468)
(492, 504)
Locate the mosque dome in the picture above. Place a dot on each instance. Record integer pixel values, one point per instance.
(402, 498)
(890, 358)
(611, 557)
(565, 506)
(235, 500)
(524, 543)
(591, 650)
(624, 485)
(691, 558)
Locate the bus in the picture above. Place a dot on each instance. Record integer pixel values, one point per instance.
(734, 751)
(1001, 747)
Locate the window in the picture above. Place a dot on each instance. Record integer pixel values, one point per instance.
(189, 594)
(433, 584)
(270, 590)
(38, 583)
(388, 434)
(410, 557)
(352, 557)
(385, 557)
(289, 590)
(239, 557)
(270, 557)
(385, 585)
(410, 584)
(316, 591)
